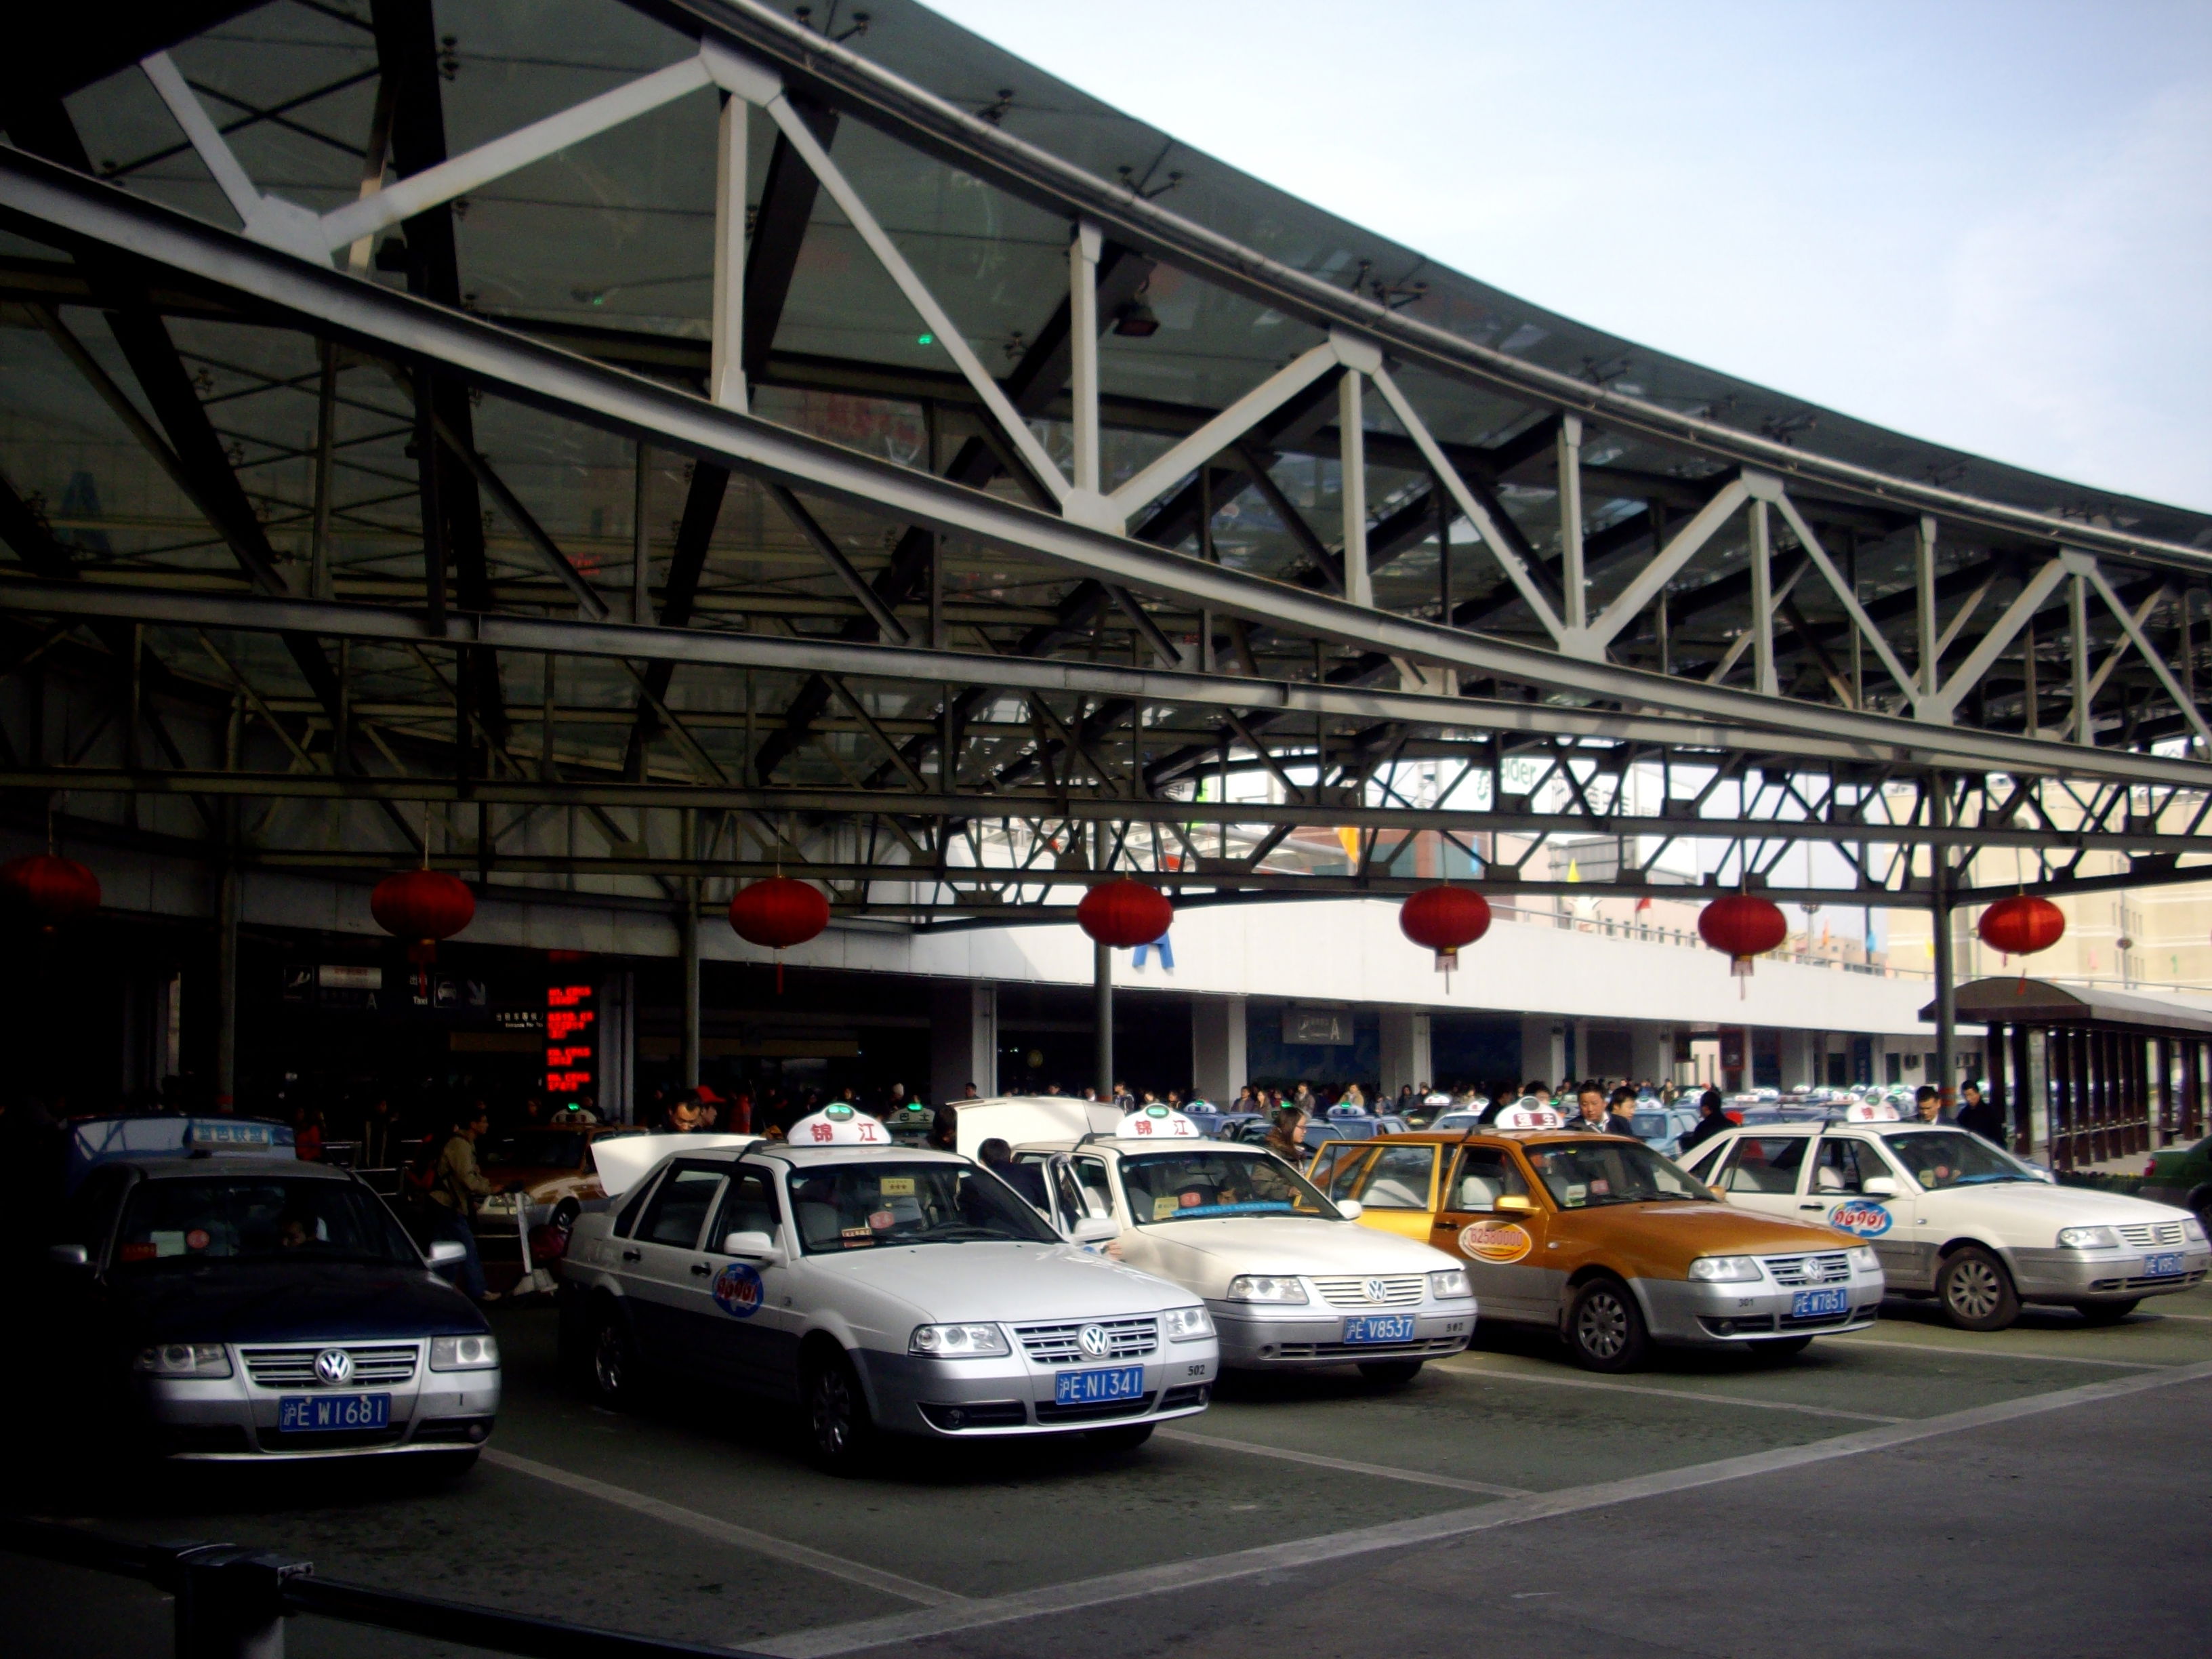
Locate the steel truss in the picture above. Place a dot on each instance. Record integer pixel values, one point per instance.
(966, 683)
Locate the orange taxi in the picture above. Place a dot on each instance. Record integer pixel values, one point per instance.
(1599, 1238)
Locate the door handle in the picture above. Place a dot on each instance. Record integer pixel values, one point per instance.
(1812, 1206)
(632, 1255)
(701, 1269)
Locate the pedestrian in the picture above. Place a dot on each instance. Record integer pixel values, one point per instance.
(682, 1115)
(1287, 1139)
(307, 1134)
(1980, 1116)
(457, 1188)
(969, 1093)
(1589, 1102)
(1027, 1179)
(379, 1131)
(944, 1127)
(1712, 1120)
(1928, 1104)
(1620, 1113)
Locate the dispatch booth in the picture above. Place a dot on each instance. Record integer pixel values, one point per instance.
(2084, 1075)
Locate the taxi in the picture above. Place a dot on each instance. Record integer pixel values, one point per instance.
(885, 1289)
(1290, 1282)
(1957, 1218)
(552, 1172)
(1600, 1238)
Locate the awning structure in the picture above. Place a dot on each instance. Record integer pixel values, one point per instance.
(2011, 1001)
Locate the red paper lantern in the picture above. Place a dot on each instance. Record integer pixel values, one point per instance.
(47, 890)
(1742, 927)
(1444, 919)
(779, 912)
(1125, 913)
(422, 907)
(2022, 925)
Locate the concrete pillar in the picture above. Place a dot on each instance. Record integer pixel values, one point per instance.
(1648, 1056)
(1405, 1048)
(1793, 1049)
(616, 1036)
(963, 1042)
(1543, 1047)
(1578, 1062)
(226, 989)
(1217, 1048)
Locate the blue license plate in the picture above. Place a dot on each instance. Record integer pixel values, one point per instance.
(2161, 1267)
(1813, 1303)
(325, 1413)
(1379, 1328)
(1096, 1387)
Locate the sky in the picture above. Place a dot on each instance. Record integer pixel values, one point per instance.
(1984, 223)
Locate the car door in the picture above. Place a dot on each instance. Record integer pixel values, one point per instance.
(1395, 1185)
(1837, 1197)
(1502, 1245)
(669, 1281)
(1762, 1172)
(1336, 1166)
(749, 1310)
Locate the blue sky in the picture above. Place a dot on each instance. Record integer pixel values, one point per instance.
(1988, 224)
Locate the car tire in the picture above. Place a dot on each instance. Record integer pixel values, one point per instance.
(1122, 1437)
(839, 1434)
(1605, 1327)
(2108, 1313)
(1780, 1347)
(1975, 1291)
(1390, 1373)
(610, 1363)
(564, 1217)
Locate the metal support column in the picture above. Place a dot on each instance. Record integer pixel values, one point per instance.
(1947, 1009)
(1083, 350)
(1762, 601)
(226, 984)
(686, 933)
(1923, 560)
(1101, 994)
(1352, 436)
(726, 372)
(1571, 574)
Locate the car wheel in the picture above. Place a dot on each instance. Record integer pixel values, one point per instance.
(1123, 1438)
(2108, 1313)
(839, 1434)
(1780, 1347)
(1391, 1373)
(564, 1217)
(613, 1360)
(1975, 1292)
(1605, 1327)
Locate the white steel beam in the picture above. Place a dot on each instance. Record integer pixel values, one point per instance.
(1224, 430)
(1930, 679)
(1083, 251)
(1352, 491)
(1572, 576)
(2132, 625)
(1770, 489)
(2077, 617)
(1668, 563)
(1762, 603)
(265, 218)
(1985, 655)
(726, 373)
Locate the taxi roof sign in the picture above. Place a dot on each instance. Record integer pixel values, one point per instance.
(1156, 1123)
(1519, 1116)
(1871, 1111)
(838, 1124)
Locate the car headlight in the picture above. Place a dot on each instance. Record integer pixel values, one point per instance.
(1187, 1324)
(2088, 1239)
(1865, 1259)
(185, 1359)
(2193, 1230)
(1265, 1287)
(1452, 1281)
(1724, 1269)
(958, 1342)
(463, 1353)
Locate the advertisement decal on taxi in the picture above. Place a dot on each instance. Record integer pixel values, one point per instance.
(1495, 1241)
(1862, 1216)
(738, 1291)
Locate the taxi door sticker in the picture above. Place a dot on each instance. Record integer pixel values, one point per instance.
(1495, 1241)
(1862, 1216)
(738, 1291)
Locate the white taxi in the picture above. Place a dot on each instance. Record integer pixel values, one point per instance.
(1290, 1280)
(884, 1288)
(1954, 1216)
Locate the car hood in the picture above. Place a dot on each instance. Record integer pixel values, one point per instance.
(1207, 1255)
(2024, 1202)
(292, 1302)
(1682, 1231)
(1009, 1281)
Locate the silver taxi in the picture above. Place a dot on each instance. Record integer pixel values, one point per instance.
(884, 1289)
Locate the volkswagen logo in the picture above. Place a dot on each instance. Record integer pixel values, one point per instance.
(335, 1367)
(1094, 1340)
(1378, 1289)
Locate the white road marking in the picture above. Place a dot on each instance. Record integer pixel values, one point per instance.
(798, 1555)
(1461, 1367)
(833, 1639)
(1381, 1471)
(2000, 1353)
(2194, 1319)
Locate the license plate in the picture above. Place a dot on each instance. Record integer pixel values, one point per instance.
(1096, 1387)
(322, 1413)
(1379, 1328)
(2161, 1267)
(1815, 1303)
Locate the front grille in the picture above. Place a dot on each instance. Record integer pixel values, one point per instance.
(1061, 1343)
(1191, 1394)
(1399, 1291)
(2163, 1281)
(1048, 1413)
(2151, 1232)
(295, 1368)
(1424, 1349)
(1828, 1267)
(203, 1439)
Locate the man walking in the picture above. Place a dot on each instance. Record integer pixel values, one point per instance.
(456, 1187)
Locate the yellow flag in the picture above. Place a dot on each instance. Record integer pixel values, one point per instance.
(1349, 839)
(1574, 869)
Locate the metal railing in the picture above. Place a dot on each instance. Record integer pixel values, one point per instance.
(232, 1602)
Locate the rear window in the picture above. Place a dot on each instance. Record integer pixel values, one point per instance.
(234, 1218)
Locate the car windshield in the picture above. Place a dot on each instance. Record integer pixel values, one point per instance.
(1952, 1158)
(1194, 1185)
(256, 1219)
(1585, 1174)
(539, 1149)
(873, 1206)
(1651, 1126)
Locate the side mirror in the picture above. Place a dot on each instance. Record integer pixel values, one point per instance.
(756, 1245)
(67, 1256)
(445, 1252)
(1879, 1186)
(1094, 1230)
(1350, 1208)
(1514, 1201)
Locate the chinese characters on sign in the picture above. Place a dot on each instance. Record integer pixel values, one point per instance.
(569, 1041)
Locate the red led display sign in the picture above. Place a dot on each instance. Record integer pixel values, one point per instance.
(570, 1048)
